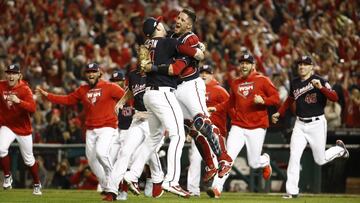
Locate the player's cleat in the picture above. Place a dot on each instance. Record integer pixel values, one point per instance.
(134, 187)
(122, 195)
(157, 190)
(194, 194)
(7, 182)
(289, 196)
(37, 189)
(176, 190)
(267, 170)
(110, 197)
(341, 144)
(209, 173)
(213, 192)
(224, 168)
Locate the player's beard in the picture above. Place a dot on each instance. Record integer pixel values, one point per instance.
(92, 85)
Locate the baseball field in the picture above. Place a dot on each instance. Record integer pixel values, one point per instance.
(62, 196)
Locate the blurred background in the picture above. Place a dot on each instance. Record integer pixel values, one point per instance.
(52, 40)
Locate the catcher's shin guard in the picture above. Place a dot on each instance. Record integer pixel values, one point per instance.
(221, 139)
(203, 146)
(204, 125)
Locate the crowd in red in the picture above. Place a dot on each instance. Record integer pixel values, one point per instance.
(53, 40)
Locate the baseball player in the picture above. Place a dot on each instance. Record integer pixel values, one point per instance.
(197, 121)
(215, 94)
(310, 93)
(125, 115)
(133, 139)
(99, 98)
(16, 106)
(160, 101)
(250, 96)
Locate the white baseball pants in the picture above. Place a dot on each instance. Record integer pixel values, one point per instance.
(194, 172)
(118, 143)
(133, 139)
(7, 136)
(254, 140)
(164, 113)
(315, 134)
(192, 98)
(98, 146)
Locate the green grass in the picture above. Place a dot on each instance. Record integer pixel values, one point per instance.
(63, 196)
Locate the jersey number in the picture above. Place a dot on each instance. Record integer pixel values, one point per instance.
(311, 98)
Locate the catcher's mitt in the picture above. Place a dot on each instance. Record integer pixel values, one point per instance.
(144, 58)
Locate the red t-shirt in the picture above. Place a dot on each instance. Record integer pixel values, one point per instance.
(17, 116)
(215, 94)
(243, 111)
(99, 103)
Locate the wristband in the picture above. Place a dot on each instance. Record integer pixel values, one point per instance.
(163, 68)
(154, 68)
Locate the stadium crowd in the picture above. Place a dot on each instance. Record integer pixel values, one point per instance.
(54, 40)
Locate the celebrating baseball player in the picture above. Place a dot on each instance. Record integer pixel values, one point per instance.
(16, 106)
(215, 94)
(310, 93)
(160, 101)
(99, 98)
(197, 122)
(250, 96)
(133, 139)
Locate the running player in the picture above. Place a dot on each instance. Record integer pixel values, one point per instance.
(133, 139)
(99, 98)
(250, 96)
(16, 106)
(310, 93)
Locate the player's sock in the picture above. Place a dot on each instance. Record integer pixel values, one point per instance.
(5, 164)
(34, 170)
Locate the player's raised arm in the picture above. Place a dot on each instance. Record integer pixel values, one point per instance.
(70, 99)
(119, 105)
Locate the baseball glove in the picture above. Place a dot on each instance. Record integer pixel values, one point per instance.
(144, 58)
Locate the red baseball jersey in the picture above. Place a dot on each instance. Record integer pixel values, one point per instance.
(192, 40)
(215, 94)
(243, 111)
(17, 116)
(99, 103)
